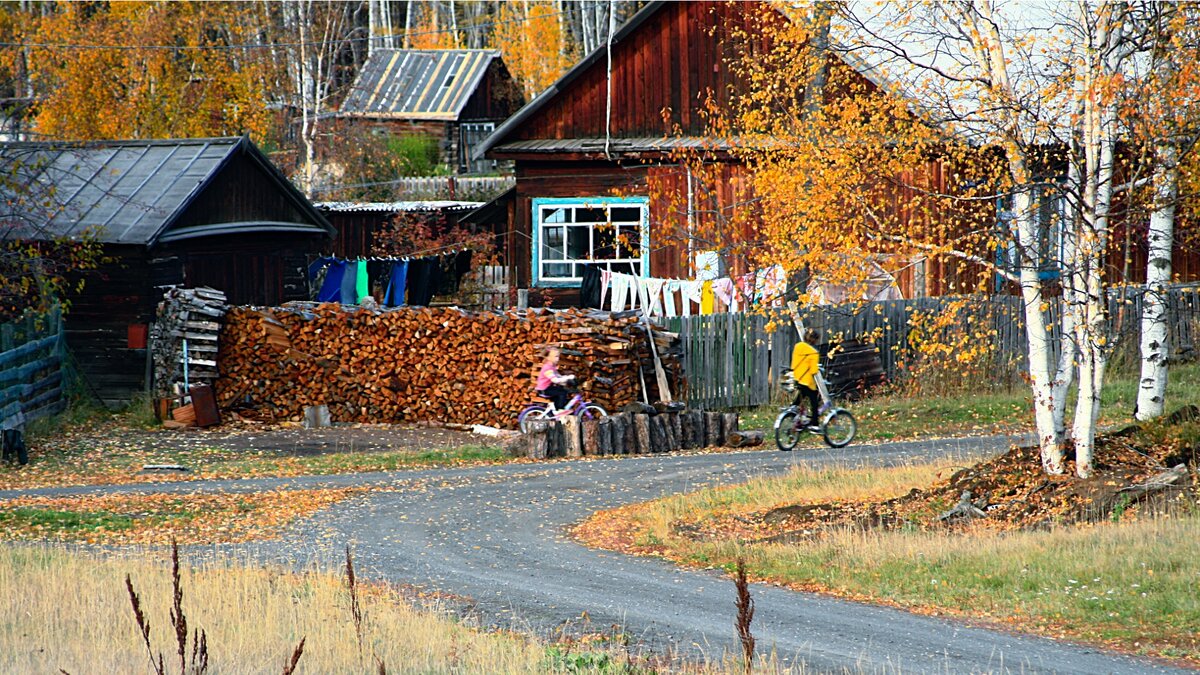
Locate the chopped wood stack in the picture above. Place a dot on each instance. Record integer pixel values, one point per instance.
(631, 434)
(194, 315)
(414, 364)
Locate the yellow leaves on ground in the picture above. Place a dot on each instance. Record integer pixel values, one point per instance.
(158, 518)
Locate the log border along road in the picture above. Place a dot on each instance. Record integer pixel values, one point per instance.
(495, 535)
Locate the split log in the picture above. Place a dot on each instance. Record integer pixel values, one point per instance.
(591, 436)
(744, 439)
(571, 433)
(642, 423)
(1156, 483)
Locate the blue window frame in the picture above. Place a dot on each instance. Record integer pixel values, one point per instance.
(612, 233)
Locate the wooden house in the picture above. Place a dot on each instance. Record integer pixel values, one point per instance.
(456, 96)
(198, 212)
(359, 223)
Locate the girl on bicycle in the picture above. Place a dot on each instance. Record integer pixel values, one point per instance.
(549, 379)
(805, 361)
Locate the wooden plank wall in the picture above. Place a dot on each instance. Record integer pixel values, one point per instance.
(31, 369)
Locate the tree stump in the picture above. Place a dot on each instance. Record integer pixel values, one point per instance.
(714, 436)
(591, 432)
(538, 439)
(729, 425)
(676, 421)
(572, 441)
(624, 433)
(692, 424)
(605, 436)
(659, 440)
(642, 424)
(744, 439)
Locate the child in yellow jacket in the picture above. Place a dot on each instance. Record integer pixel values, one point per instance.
(805, 360)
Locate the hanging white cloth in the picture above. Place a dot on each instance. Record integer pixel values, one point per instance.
(654, 288)
(605, 282)
(668, 297)
(691, 294)
(620, 291)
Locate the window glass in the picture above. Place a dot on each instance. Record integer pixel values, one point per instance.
(552, 243)
(573, 235)
(579, 242)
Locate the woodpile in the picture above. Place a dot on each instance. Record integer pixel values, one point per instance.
(192, 317)
(424, 364)
(631, 434)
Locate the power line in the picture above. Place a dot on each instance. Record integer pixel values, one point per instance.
(263, 45)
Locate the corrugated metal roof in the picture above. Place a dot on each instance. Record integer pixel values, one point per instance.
(126, 192)
(616, 145)
(395, 207)
(416, 83)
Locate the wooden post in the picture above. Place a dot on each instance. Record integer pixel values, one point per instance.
(573, 441)
(642, 422)
(591, 440)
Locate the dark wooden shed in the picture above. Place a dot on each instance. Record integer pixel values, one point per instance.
(456, 96)
(196, 212)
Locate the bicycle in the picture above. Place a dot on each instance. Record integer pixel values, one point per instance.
(542, 411)
(837, 425)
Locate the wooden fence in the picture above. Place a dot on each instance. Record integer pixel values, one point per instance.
(31, 369)
(478, 188)
(734, 360)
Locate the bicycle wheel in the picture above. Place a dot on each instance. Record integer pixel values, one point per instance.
(786, 433)
(531, 413)
(591, 411)
(839, 428)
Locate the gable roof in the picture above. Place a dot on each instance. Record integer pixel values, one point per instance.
(430, 84)
(129, 192)
(596, 59)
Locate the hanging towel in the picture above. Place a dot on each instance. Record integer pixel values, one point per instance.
(362, 283)
(605, 282)
(707, 299)
(589, 287)
(620, 289)
(668, 298)
(772, 285)
(723, 289)
(349, 294)
(654, 289)
(423, 277)
(690, 292)
(394, 296)
(331, 290)
(317, 265)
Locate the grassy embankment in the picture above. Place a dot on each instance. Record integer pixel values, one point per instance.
(1128, 584)
(71, 611)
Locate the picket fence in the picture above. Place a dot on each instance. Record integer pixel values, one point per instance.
(477, 188)
(734, 360)
(31, 368)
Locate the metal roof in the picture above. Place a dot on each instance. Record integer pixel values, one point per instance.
(417, 83)
(125, 192)
(395, 207)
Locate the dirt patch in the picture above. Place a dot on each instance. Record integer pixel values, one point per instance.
(1010, 492)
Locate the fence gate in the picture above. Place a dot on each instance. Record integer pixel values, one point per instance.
(730, 359)
(31, 369)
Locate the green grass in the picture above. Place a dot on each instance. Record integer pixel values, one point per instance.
(53, 520)
(894, 417)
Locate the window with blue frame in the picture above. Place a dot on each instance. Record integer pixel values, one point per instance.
(609, 233)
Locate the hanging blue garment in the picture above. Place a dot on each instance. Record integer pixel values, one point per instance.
(331, 290)
(317, 265)
(394, 297)
(349, 294)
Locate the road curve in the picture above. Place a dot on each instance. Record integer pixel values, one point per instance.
(496, 535)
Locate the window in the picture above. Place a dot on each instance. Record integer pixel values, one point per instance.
(570, 234)
(1051, 216)
(471, 134)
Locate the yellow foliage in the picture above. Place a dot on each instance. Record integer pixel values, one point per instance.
(531, 39)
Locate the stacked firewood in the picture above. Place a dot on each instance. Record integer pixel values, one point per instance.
(192, 317)
(418, 364)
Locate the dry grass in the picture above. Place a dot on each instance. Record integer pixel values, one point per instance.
(71, 611)
(1129, 584)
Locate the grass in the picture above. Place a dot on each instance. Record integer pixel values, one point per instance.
(896, 417)
(157, 518)
(1130, 585)
(71, 611)
(89, 456)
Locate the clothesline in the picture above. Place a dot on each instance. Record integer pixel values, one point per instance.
(657, 297)
(395, 281)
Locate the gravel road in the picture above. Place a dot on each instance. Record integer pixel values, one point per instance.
(494, 535)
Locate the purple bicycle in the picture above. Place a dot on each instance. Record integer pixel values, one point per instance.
(546, 411)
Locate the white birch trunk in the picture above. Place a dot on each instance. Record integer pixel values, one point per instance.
(1155, 343)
